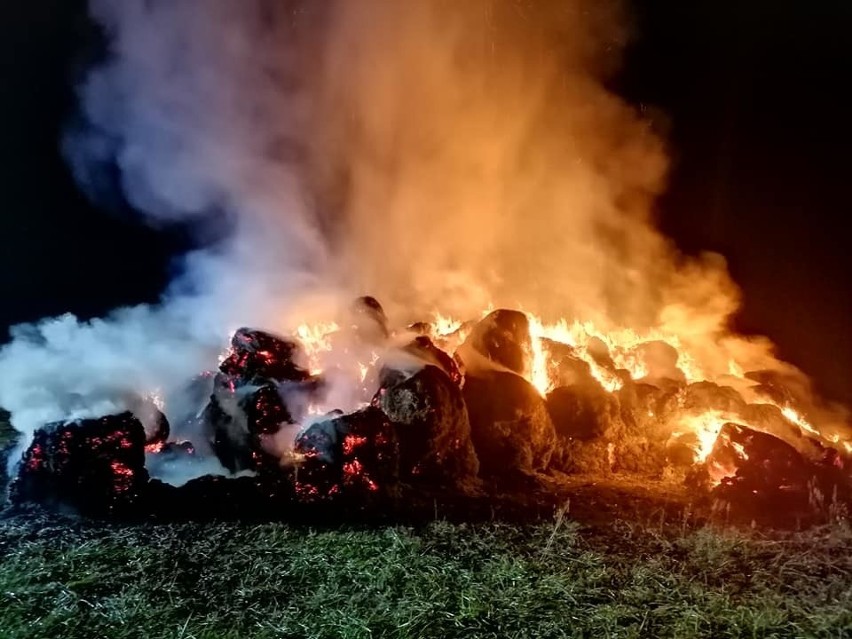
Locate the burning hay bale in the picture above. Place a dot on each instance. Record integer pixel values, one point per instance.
(258, 355)
(747, 463)
(704, 396)
(431, 421)
(94, 465)
(503, 338)
(770, 419)
(509, 423)
(238, 418)
(660, 363)
(565, 366)
(354, 455)
(248, 401)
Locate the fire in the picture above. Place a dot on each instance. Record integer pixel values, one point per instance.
(316, 340)
(443, 325)
(614, 356)
(796, 417)
(706, 427)
(576, 335)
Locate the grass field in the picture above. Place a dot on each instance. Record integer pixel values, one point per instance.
(64, 578)
(61, 577)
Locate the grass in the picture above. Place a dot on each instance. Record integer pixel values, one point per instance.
(64, 578)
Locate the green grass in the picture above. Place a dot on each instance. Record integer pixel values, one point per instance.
(61, 578)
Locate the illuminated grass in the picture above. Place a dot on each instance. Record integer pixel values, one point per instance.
(59, 578)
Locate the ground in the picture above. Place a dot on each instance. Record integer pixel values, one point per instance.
(634, 571)
(60, 577)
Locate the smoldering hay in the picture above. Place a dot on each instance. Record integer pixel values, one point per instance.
(440, 155)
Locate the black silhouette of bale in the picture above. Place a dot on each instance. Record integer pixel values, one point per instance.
(257, 354)
(429, 414)
(770, 419)
(510, 426)
(747, 462)
(217, 497)
(94, 465)
(348, 456)
(503, 337)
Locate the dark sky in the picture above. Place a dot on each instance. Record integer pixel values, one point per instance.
(759, 129)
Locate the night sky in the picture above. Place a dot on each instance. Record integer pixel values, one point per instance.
(750, 95)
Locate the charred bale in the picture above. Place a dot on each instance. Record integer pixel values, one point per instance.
(353, 456)
(502, 337)
(237, 418)
(432, 425)
(258, 355)
(748, 463)
(510, 426)
(769, 419)
(587, 419)
(94, 465)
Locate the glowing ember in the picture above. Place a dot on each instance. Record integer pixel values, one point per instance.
(156, 447)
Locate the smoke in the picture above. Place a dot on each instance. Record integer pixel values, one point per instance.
(438, 154)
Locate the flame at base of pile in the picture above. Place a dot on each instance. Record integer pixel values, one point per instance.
(353, 410)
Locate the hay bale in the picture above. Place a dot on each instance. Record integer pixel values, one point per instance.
(502, 338)
(583, 412)
(510, 426)
(348, 456)
(94, 465)
(432, 425)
